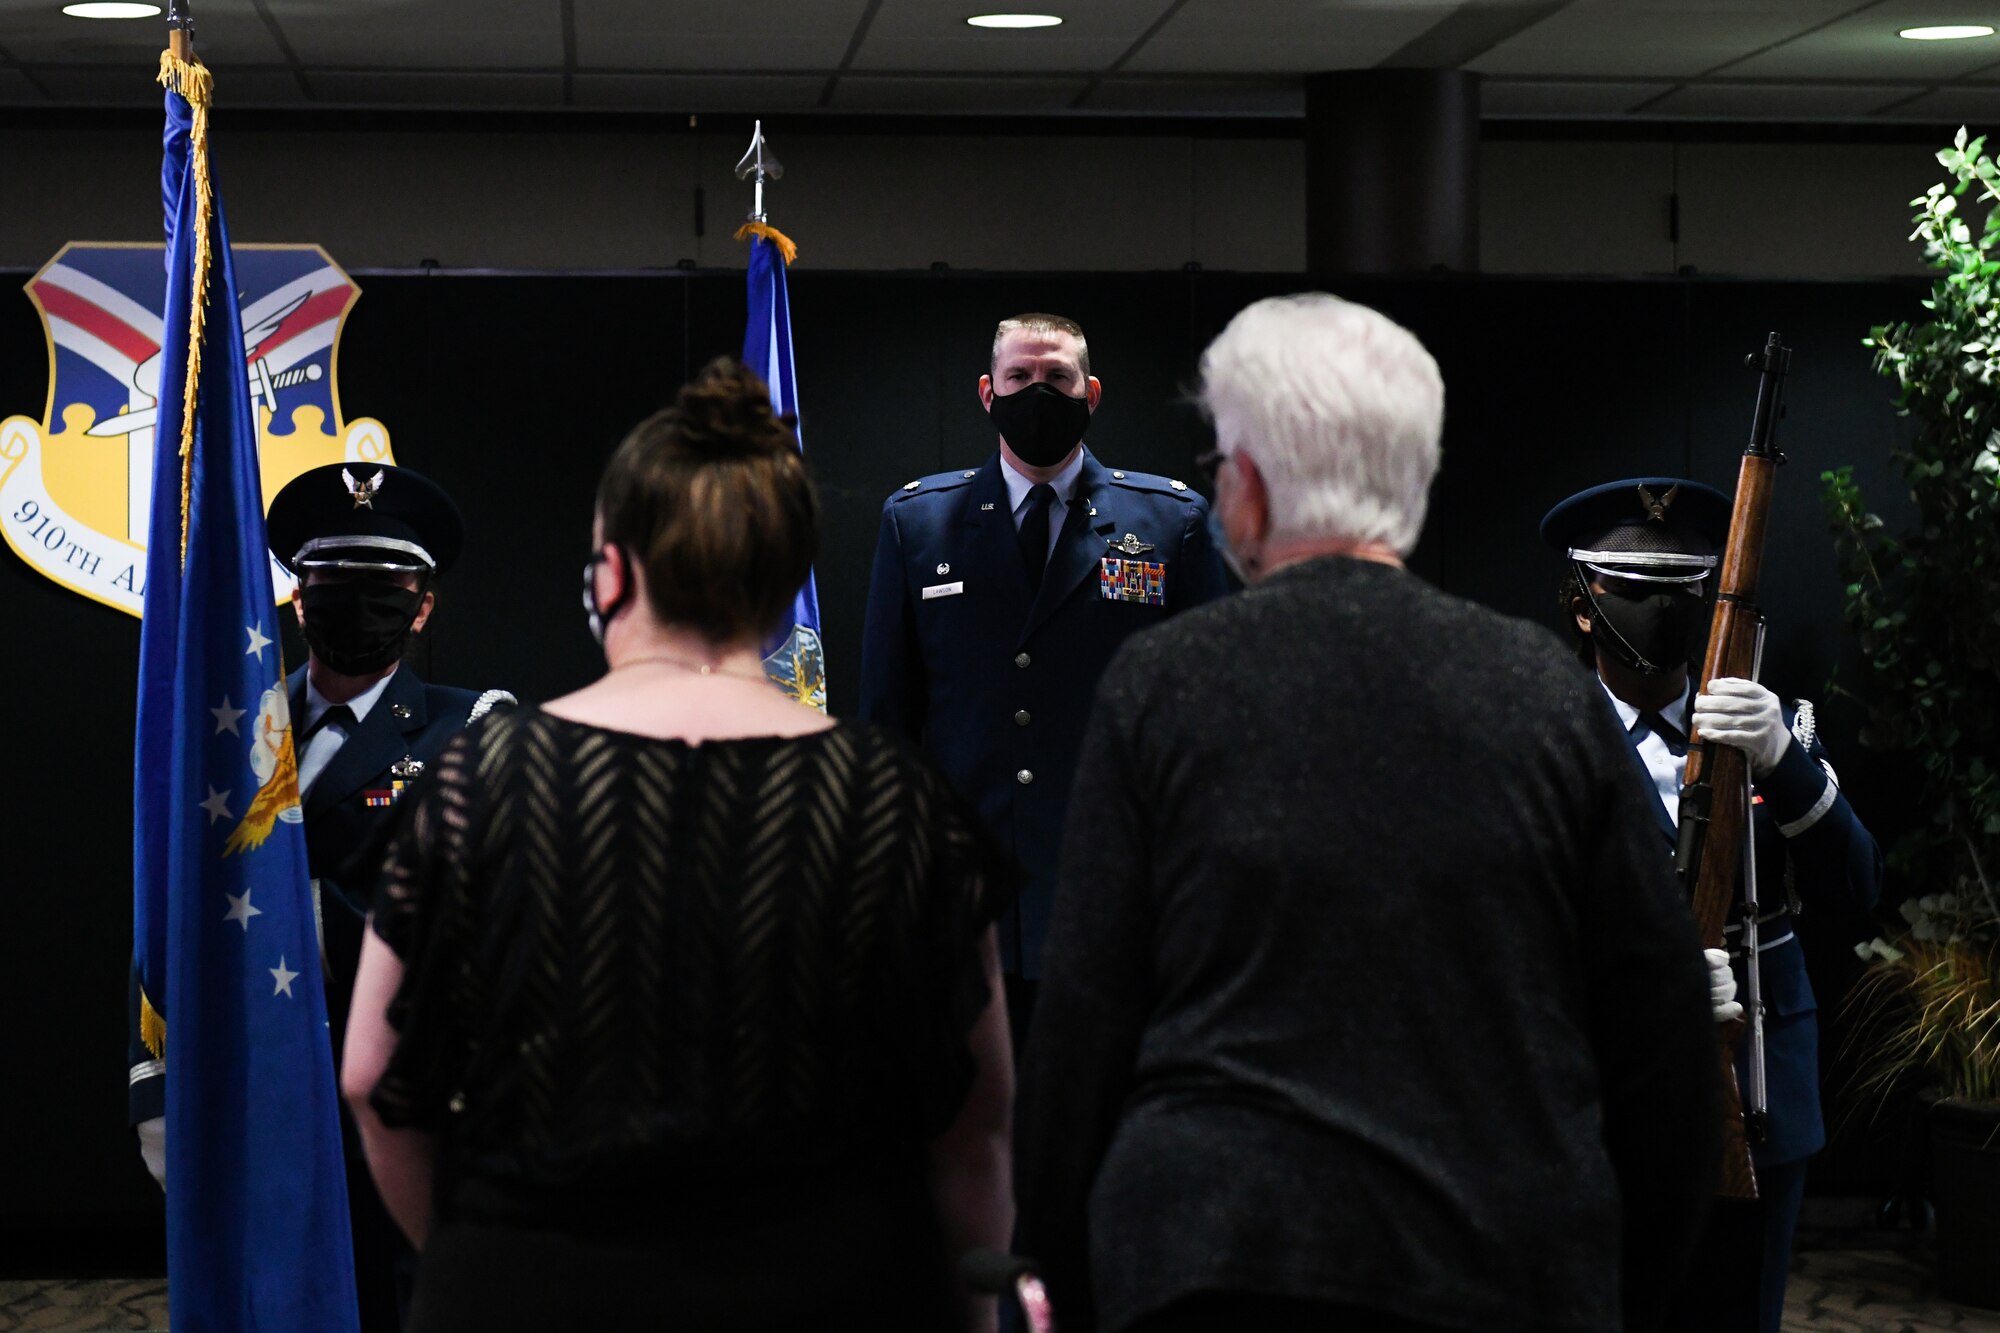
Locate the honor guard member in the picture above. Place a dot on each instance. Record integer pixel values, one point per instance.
(1640, 554)
(364, 542)
(999, 594)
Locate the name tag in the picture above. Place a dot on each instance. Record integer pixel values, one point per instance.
(943, 590)
(1142, 581)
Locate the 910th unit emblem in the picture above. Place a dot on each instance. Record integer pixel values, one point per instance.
(75, 488)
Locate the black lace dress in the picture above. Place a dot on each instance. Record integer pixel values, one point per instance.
(683, 1019)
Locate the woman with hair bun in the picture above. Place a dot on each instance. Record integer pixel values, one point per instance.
(681, 1001)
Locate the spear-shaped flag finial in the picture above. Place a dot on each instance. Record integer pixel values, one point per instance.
(758, 165)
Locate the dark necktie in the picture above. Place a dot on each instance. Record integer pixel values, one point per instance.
(1035, 533)
(340, 713)
(1665, 730)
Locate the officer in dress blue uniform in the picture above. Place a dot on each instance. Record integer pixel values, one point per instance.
(1640, 553)
(364, 542)
(1000, 593)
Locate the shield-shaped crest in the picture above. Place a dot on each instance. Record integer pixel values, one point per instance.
(75, 488)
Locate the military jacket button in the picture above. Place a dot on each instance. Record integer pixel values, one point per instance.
(1021, 718)
(1021, 659)
(1024, 777)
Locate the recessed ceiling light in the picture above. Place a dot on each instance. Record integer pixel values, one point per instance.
(110, 9)
(1013, 20)
(1949, 32)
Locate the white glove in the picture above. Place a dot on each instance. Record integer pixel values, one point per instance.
(1745, 715)
(1721, 987)
(153, 1147)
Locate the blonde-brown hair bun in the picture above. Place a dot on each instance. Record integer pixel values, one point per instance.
(726, 410)
(712, 499)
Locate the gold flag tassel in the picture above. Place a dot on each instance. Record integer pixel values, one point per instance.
(785, 244)
(152, 1027)
(191, 79)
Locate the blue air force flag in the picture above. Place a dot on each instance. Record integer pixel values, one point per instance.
(226, 945)
(794, 659)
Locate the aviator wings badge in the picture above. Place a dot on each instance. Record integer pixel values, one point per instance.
(1131, 545)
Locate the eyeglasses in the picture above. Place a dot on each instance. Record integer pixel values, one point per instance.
(1210, 465)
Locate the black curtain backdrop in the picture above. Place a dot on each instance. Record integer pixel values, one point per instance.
(511, 391)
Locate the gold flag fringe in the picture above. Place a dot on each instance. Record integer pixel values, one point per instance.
(191, 79)
(152, 1028)
(784, 243)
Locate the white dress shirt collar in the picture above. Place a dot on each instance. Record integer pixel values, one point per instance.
(317, 703)
(1064, 483)
(1663, 766)
(1676, 714)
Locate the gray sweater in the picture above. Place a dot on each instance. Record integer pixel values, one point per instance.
(1368, 981)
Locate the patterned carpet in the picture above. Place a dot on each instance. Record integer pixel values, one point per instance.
(1873, 1291)
(83, 1305)
(1849, 1291)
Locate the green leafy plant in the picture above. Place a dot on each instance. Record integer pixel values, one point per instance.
(1925, 605)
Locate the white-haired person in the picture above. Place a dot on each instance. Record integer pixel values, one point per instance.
(1370, 1001)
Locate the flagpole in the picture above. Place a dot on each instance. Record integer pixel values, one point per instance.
(180, 29)
(796, 661)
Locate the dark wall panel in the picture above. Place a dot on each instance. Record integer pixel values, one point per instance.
(511, 391)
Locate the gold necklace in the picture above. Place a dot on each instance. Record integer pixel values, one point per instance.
(698, 668)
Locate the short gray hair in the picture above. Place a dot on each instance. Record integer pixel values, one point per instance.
(1340, 407)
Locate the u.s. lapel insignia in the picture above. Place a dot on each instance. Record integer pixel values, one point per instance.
(401, 712)
(1140, 581)
(1131, 545)
(406, 767)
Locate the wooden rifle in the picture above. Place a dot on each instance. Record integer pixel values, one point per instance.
(1715, 796)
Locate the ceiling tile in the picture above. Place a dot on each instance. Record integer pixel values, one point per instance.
(1866, 46)
(713, 34)
(1157, 96)
(1652, 38)
(748, 94)
(430, 34)
(227, 32)
(437, 88)
(1562, 99)
(990, 96)
(1746, 101)
(932, 35)
(1282, 36)
(1976, 108)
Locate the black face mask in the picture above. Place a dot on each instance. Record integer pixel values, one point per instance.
(600, 616)
(1041, 423)
(359, 626)
(1650, 631)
